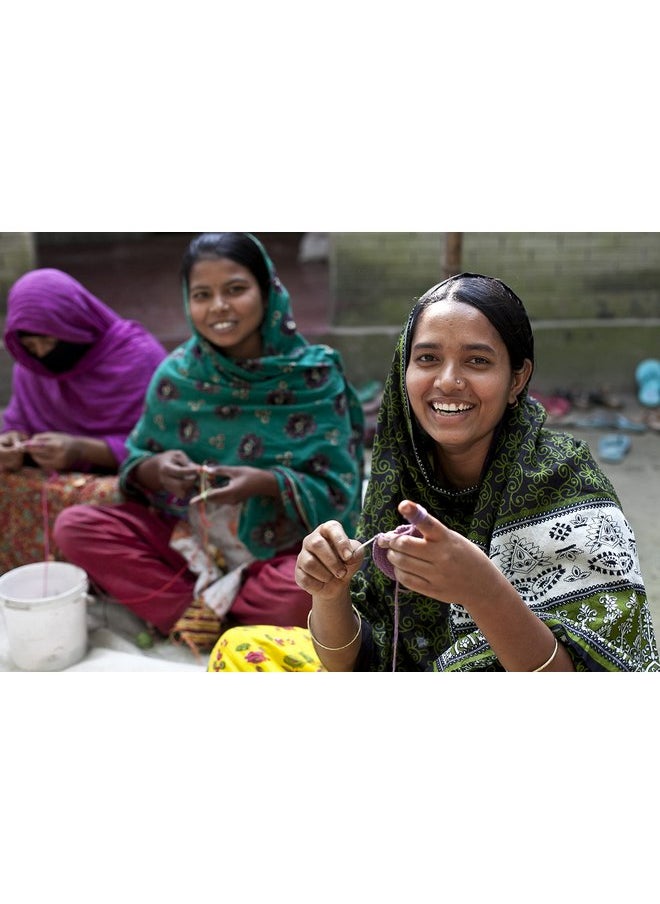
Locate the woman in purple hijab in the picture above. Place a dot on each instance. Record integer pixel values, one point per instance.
(78, 385)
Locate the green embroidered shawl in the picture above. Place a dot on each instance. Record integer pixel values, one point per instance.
(544, 513)
(291, 411)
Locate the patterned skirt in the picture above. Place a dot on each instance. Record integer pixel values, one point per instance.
(31, 500)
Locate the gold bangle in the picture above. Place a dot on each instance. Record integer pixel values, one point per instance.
(543, 667)
(334, 649)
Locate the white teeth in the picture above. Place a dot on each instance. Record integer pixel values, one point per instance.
(450, 408)
(221, 327)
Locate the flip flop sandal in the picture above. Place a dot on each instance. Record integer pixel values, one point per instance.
(581, 399)
(555, 406)
(609, 421)
(600, 421)
(624, 423)
(653, 421)
(647, 375)
(607, 398)
(614, 447)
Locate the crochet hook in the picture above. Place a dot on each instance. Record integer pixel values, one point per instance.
(364, 545)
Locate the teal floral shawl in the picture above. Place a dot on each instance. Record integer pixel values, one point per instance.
(291, 411)
(544, 513)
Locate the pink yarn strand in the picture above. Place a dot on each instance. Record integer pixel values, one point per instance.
(45, 520)
(204, 539)
(395, 639)
(45, 514)
(381, 561)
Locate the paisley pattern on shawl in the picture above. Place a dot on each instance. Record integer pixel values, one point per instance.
(545, 514)
(291, 411)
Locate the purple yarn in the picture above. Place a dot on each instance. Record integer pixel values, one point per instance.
(379, 554)
(420, 514)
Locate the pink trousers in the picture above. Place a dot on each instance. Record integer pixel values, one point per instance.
(126, 553)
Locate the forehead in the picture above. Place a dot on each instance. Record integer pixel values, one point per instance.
(218, 269)
(27, 338)
(446, 321)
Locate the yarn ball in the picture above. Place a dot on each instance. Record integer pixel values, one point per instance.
(379, 554)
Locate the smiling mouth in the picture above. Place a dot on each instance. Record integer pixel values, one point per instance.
(223, 326)
(450, 409)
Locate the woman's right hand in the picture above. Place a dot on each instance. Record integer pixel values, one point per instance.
(171, 471)
(327, 562)
(12, 454)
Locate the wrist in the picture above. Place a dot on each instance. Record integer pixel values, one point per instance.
(357, 623)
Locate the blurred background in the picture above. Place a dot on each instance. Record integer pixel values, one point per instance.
(594, 298)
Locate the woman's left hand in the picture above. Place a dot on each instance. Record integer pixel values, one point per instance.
(232, 485)
(54, 451)
(447, 567)
(441, 564)
(12, 450)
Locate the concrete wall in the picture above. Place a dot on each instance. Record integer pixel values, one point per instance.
(92, 238)
(593, 298)
(17, 254)
(375, 277)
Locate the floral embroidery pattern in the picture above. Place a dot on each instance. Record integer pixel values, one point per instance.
(265, 650)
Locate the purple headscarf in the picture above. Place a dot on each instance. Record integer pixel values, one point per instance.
(102, 396)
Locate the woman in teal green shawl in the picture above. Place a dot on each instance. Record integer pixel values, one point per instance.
(249, 439)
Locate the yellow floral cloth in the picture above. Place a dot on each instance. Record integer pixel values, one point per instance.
(265, 649)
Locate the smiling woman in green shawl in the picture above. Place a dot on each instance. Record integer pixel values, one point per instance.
(250, 438)
(518, 556)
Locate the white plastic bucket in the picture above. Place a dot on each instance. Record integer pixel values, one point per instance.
(45, 607)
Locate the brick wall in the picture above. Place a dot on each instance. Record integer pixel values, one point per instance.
(374, 277)
(593, 298)
(573, 274)
(557, 275)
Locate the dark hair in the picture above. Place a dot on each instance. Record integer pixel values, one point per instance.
(494, 300)
(237, 246)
